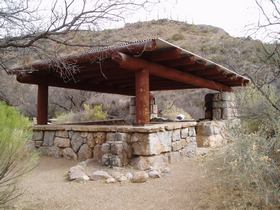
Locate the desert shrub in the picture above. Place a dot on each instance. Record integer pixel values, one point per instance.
(65, 117)
(171, 111)
(90, 112)
(94, 112)
(15, 158)
(177, 37)
(251, 164)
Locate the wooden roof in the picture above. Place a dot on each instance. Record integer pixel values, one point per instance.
(112, 69)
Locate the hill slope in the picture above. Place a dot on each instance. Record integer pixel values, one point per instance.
(239, 54)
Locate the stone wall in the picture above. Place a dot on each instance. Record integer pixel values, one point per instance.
(141, 146)
(215, 133)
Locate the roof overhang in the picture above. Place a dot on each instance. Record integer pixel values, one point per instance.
(112, 69)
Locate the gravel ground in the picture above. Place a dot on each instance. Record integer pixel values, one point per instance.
(46, 187)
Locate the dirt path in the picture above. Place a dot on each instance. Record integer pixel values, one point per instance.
(46, 187)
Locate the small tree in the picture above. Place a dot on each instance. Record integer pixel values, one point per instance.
(15, 158)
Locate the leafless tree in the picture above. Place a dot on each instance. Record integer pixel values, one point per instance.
(24, 23)
(268, 27)
(43, 29)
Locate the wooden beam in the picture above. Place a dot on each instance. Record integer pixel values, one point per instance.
(142, 92)
(54, 82)
(42, 105)
(136, 64)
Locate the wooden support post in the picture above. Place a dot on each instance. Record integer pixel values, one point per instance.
(142, 97)
(42, 105)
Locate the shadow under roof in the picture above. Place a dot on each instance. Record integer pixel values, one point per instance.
(100, 70)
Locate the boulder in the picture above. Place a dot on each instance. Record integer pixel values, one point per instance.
(129, 175)
(117, 148)
(154, 174)
(139, 177)
(145, 163)
(38, 144)
(122, 178)
(85, 152)
(68, 153)
(116, 174)
(151, 143)
(119, 176)
(110, 180)
(61, 142)
(177, 145)
(176, 135)
(165, 170)
(62, 134)
(98, 175)
(37, 136)
(192, 132)
(184, 133)
(77, 173)
(48, 138)
(97, 153)
(76, 141)
(217, 114)
(190, 150)
(118, 137)
(106, 147)
(211, 141)
(97, 138)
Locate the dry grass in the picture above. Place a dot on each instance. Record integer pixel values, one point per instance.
(250, 166)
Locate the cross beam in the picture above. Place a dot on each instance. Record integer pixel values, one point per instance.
(136, 64)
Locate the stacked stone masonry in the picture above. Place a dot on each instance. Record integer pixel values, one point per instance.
(141, 147)
(215, 133)
(224, 106)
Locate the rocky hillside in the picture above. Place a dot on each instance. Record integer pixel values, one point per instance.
(243, 55)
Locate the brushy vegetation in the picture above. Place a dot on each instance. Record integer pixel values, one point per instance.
(89, 113)
(170, 111)
(251, 164)
(15, 158)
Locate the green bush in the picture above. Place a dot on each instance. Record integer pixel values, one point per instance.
(90, 112)
(65, 117)
(170, 111)
(94, 112)
(15, 158)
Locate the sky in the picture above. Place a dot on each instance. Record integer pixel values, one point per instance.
(237, 17)
(234, 16)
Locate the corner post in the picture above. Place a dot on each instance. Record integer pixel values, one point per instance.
(42, 105)
(142, 93)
